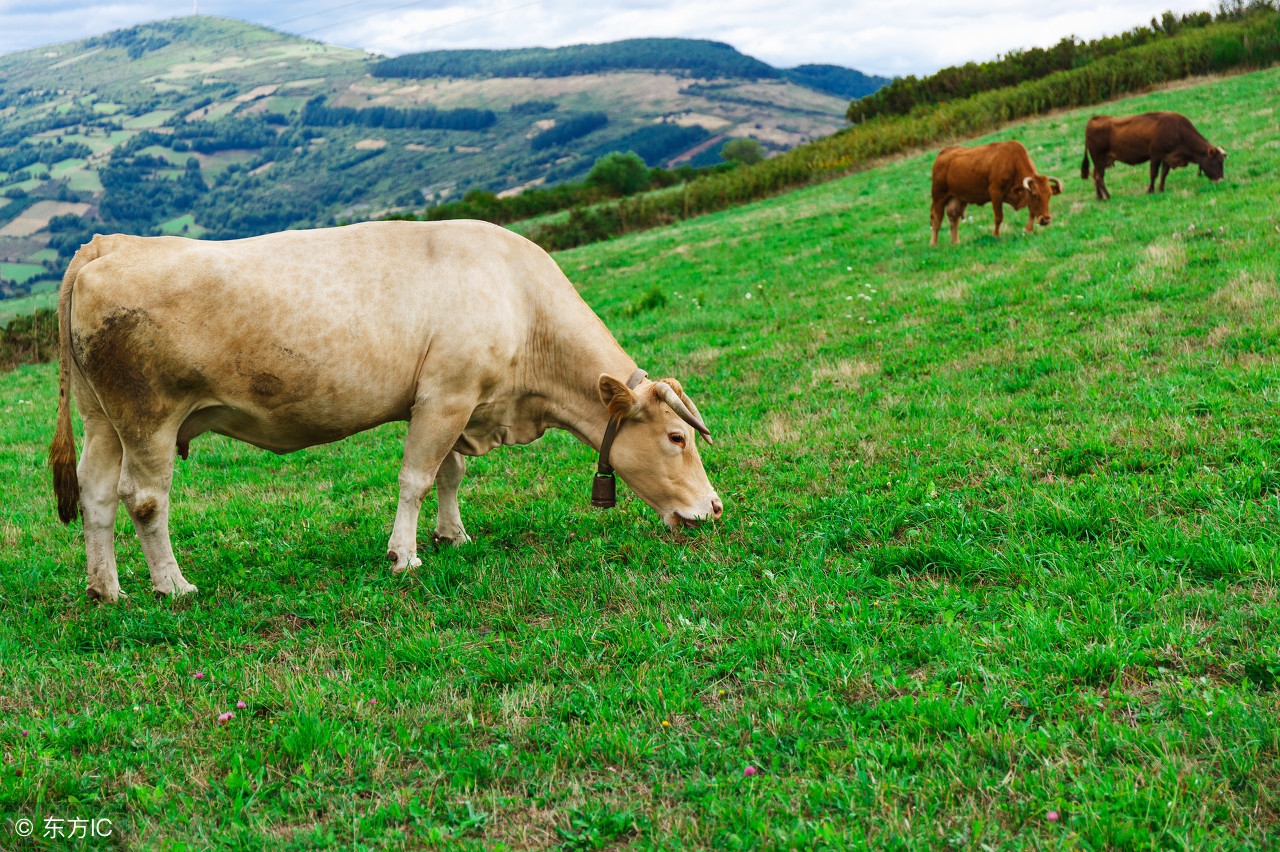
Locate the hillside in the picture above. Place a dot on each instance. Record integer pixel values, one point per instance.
(211, 126)
(694, 58)
(997, 570)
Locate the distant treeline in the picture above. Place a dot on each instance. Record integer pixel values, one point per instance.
(317, 114)
(1251, 43)
(905, 94)
(694, 57)
(138, 40)
(835, 80)
(568, 129)
(47, 152)
(688, 57)
(656, 142)
(479, 204)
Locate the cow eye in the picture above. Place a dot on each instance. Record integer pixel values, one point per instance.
(676, 438)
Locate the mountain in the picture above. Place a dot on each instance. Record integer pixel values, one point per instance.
(215, 127)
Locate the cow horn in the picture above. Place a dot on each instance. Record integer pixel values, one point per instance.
(1222, 151)
(671, 398)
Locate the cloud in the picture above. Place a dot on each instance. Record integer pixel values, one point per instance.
(891, 38)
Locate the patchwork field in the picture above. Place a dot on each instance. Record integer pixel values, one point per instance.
(998, 565)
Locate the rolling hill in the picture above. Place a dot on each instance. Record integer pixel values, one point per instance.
(214, 127)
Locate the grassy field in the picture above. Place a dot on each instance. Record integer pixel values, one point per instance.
(23, 305)
(20, 272)
(997, 568)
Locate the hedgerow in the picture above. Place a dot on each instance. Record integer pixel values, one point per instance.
(1251, 43)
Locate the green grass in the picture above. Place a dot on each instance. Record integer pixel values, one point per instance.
(1001, 532)
(183, 225)
(20, 272)
(23, 305)
(155, 118)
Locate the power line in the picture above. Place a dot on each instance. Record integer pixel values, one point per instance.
(316, 12)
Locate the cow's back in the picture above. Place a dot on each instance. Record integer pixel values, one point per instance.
(968, 173)
(311, 334)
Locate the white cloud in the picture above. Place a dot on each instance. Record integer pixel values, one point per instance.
(899, 37)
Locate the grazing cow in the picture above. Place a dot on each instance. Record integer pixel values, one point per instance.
(1000, 173)
(1167, 139)
(469, 332)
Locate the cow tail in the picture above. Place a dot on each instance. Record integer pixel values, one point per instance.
(62, 452)
(1084, 166)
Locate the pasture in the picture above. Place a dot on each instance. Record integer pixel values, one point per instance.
(997, 570)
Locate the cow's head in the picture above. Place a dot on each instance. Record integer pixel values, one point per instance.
(654, 450)
(1034, 192)
(1212, 164)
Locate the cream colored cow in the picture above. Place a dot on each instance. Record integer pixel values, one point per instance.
(466, 330)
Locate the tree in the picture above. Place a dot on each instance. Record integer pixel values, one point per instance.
(745, 151)
(622, 174)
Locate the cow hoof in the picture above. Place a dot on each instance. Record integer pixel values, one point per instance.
(414, 562)
(177, 588)
(453, 539)
(104, 595)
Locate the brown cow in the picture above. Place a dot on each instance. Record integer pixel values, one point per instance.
(1167, 139)
(1000, 173)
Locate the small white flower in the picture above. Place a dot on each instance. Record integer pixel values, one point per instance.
(848, 298)
(748, 295)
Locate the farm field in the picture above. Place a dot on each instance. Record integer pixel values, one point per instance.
(997, 570)
(24, 305)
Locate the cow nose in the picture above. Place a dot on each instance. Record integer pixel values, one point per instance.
(1045, 220)
(717, 508)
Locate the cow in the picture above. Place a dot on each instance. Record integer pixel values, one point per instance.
(467, 331)
(1001, 172)
(1167, 139)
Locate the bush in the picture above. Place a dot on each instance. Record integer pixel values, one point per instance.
(745, 151)
(620, 174)
(904, 94)
(31, 339)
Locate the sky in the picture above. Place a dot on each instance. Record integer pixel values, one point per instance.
(888, 38)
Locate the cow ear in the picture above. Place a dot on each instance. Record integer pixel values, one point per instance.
(1055, 186)
(617, 397)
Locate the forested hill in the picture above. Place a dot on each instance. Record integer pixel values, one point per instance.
(213, 127)
(687, 57)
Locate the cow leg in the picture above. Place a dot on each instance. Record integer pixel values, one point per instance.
(448, 517)
(955, 212)
(146, 474)
(1164, 173)
(1099, 183)
(434, 428)
(997, 206)
(1155, 167)
(935, 219)
(99, 475)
